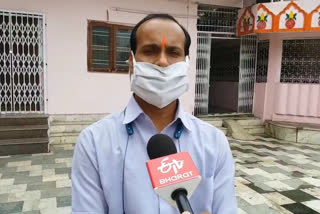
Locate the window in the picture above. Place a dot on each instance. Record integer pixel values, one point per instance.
(262, 61)
(108, 47)
(300, 61)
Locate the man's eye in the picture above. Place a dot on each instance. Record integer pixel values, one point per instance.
(175, 53)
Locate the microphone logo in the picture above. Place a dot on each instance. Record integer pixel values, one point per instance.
(167, 166)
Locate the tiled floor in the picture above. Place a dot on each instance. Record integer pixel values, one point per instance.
(271, 177)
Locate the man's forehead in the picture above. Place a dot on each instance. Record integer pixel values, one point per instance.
(158, 30)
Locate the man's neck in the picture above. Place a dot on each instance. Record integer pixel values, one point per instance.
(161, 118)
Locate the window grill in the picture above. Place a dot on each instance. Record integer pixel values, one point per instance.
(218, 20)
(262, 61)
(300, 61)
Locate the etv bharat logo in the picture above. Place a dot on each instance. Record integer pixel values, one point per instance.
(167, 166)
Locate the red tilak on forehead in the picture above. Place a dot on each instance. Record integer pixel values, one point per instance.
(163, 41)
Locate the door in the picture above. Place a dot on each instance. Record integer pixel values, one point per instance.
(21, 63)
(202, 73)
(248, 54)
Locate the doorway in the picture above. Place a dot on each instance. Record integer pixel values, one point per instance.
(21, 63)
(224, 75)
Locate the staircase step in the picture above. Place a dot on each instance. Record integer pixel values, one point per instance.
(72, 128)
(17, 132)
(75, 118)
(250, 122)
(23, 146)
(223, 129)
(216, 123)
(19, 120)
(63, 139)
(254, 129)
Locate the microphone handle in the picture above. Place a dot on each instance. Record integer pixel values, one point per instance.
(180, 196)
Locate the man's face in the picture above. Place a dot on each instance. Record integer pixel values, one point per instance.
(160, 42)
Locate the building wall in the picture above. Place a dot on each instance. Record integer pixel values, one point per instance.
(283, 101)
(259, 99)
(71, 89)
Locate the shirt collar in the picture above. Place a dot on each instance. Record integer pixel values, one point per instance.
(133, 111)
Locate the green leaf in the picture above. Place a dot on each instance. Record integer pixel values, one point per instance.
(259, 18)
(287, 15)
(266, 18)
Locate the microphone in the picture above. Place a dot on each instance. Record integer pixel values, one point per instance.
(173, 175)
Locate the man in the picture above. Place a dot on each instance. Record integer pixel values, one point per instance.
(109, 173)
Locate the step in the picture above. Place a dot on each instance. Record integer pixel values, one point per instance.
(254, 129)
(250, 122)
(17, 132)
(225, 130)
(72, 128)
(76, 118)
(18, 121)
(23, 146)
(216, 123)
(63, 139)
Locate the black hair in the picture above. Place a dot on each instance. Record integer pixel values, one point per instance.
(133, 36)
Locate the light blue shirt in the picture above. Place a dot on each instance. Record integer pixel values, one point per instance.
(109, 173)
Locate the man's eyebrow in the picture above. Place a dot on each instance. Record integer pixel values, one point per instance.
(153, 46)
(174, 47)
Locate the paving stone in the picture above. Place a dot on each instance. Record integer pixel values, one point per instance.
(43, 161)
(62, 170)
(50, 193)
(298, 195)
(12, 207)
(32, 212)
(27, 179)
(4, 198)
(64, 201)
(41, 186)
(298, 208)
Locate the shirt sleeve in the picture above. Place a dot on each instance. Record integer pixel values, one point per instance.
(87, 193)
(224, 199)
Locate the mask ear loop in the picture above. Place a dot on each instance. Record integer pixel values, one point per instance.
(134, 62)
(187, 59)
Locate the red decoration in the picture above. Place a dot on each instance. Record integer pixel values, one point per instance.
(290, 23)
(262, 22)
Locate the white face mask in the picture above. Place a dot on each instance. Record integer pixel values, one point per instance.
(157, 85)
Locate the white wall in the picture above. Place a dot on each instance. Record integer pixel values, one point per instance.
(71, 89)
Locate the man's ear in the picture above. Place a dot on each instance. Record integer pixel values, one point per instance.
(130, 63)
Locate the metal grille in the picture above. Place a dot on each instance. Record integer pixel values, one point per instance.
(248, 51)
(218, 20)
(202, 75)
(21, 62)
(262, 61)
(301, 61)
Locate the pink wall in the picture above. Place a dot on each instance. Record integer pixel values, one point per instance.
(301, 102)
(71, 89)
(286, 102)
(259, 99)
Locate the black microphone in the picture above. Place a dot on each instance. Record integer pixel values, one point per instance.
(161, 145)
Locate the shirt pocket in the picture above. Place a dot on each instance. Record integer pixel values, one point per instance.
(202, 198)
